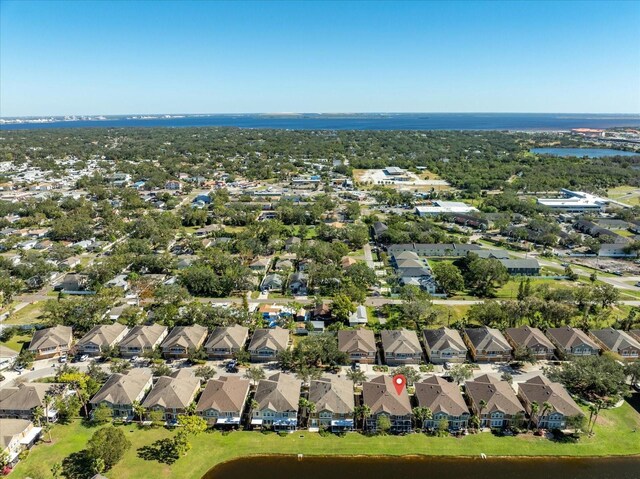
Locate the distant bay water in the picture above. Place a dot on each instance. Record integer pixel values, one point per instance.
(582, 152)
(382, 121)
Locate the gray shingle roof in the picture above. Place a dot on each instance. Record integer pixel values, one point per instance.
(332, 394)
(279, 393)
(440, 395)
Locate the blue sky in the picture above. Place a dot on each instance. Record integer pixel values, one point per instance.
(117, 57)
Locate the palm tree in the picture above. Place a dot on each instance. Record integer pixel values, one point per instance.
(422, 414)
(545, 408)
(38, 413)
(534, 410)
(481, 405)
(255, 374)
(596, 410)
(362, 412)
(138, 410)
(357, 376)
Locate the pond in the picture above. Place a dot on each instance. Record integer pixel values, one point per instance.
(289, 467)
(581, 152)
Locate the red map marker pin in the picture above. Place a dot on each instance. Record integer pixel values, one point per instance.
(399, 381)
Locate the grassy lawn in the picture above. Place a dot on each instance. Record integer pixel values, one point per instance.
(17, 341)
(614, 436)
(30, 314)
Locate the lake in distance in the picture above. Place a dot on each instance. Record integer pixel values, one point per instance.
(289, 467)
(582, 152)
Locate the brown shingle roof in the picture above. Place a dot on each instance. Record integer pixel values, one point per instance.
(332, 394)
(51, 338)
(25, 396)
(352, 340)
(440, 395)
(444, 338)
(187, 337)
(276, 339)
(280, 392)
(229, 337)
(381, 396)
(225, 394)
(568, 337)
(497, 394)
(103, 335)
(539, 389)
(400, 341)
(173, 392)
(123, 388)
(529, 337)
(143, 336)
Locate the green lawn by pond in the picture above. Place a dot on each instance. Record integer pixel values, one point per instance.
(614, 436)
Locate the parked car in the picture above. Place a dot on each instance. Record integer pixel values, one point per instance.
(62, 359)
(232, 366)
(84, 357)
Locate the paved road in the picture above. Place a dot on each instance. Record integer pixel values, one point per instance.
(368, 257)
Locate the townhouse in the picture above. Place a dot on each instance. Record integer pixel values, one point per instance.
(183, 340)
(555, 405)
(223, 400)
(51, 342)
(142, 339)
(445, 401)
(101, 337)
(572, 342)
(381, 397)
(277, 399)
(121, 391)
(224, 342)
(267, 343)
(619, 342)
(532, 339)
(494, 402)
(172, 394)
(401, 346)
(16, 436)
(20, 401)
(487, 344)
(334, 404)
(358, 344)
(444, 345)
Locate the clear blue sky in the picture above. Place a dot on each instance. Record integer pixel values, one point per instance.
(117, 57)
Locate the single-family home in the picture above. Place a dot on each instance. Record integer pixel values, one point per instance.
(120, 282)
(272, 282)
(183, 340)
(532, 339)
(619, 342)
(20, 401)
(222, 401)
(487, 344)
(444, 345)
(260, 265)
(16, 435)
(359, 344)
(571, 342)
(400, 346)
(494, 402)
(172, 394)
(121, 391)
(224, 342)
(7, 356)
(142, 339)
(334, 404)
(381, 397)
(291, 243)
(51, 342)
(101, 337)
(359, 316)
(445, 401)
(267, 343)
(635, 333)
(277, 399)
(298, 284)
(555, 405)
